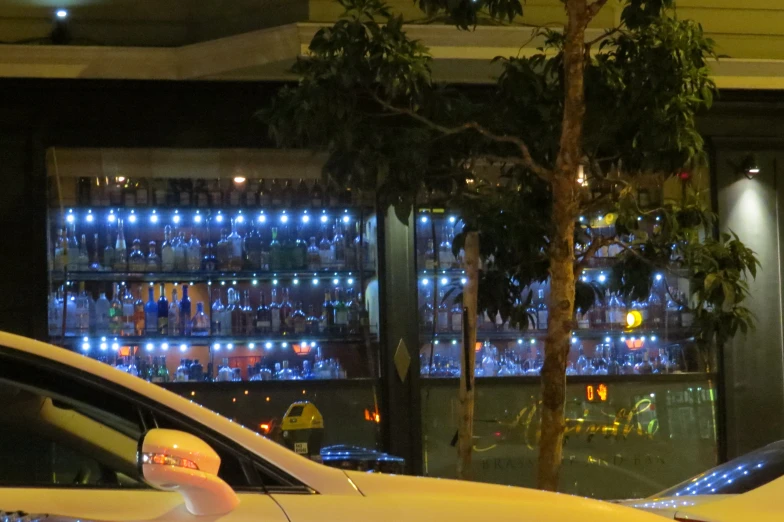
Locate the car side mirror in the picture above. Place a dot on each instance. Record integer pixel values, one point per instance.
(173, 460)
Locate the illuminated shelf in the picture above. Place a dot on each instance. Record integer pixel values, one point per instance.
(305, 277)
(671, 335)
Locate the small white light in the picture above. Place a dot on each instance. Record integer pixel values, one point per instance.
(239, 180)
(335, 281)
(176, 218)
(584, 279)
(602, 278)
(658, 218)
(574, 340)
(454, 342)
(165, 346)
(659, 277)
(346, 219)
(423, 219)
(85, 346)
(284, 344)
(653, 338)
(103, 339)
(305, 344)
(70, 218)
(223, 283)
(233, 283)
(85, 338)
(582, 218)
(607, 339)
(262, 218)
(323, 219)
(216, 347)
(229, 347)
(306, 219)
(251, 346)
(350, 281)
(104, 347)
(425, 281)
(533, 341)
(284, 218)
(154, 218)
(197, 218)
(642, 338)
(149, 347)
(275, 282)
(111, 218)
(295, 281)
(183, 348)
(132, 218)
(444, 281)
(623, 339)
(315, 281)
(239, 219)
(115, 346)
(639, 218)
(463, 280)
(62, 14)
(452, 219)
(219, 218)
(435, 342)
(519, 341)
(90, 218)
(268, 346)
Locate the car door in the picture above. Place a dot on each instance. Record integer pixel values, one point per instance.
(68, 446)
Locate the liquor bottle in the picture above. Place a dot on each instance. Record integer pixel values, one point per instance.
(645, 367)
(685, 313)
(339, 247)
(583, 366)
(142, 193)
(317, 195)
(60, 248)
(313, 256)
(327, 325)
(136, 259)
(442, 319)
(163, 371)
(456, 317)
(253, 249)
(167, 251)
(193, 254)
(284, 373)
(153, 261)
(430, 256)
(174, 314)
(151, 313)
(426, 312)
(274, 312)
(672, 311)
(185, 312)
(201, 196)
(445, 257)
(599, 361)
(196, 371)
(361, 250)
(325, 249)
(223, 252)
(95, 264)
(286, 249)
(598, 313)
(249, 319)
(129, 324)
(583, 319)
(655, 309)
(302, 195)
(313, 326)
(263, 195)
(231, 312)
(354, 312)
(102, 315)
(235, 250)
(200, 322)
(83, 259)
(225, 319)
(72, 250)
(276, 251)
(82, 311)
(108, 252)
(138, 314)
(159, 193)
(615, 316)
(250, 199)
(236, 194)
(298, 320)
(299, 259)
(263, 316)
(182, 374)
(115, 192)
(180, 252)
(215, 194)
(613, 367)
(341, 312)
(285, 313)
(116, 313)
(209, 263)
(541, 312)
(162, 312)
(216, 314)
(129, 194)
(287, 195)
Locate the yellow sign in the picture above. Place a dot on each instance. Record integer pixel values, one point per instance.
(633, 319)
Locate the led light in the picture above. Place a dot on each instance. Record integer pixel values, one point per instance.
(85, 338)
(219, 218)
(574, 340)
(165, 346)
(268, 345)
(639, 218)
(262, 218)
(623, 339)
(197, 218)
(284, 218)
(658, 218)
(62, 14)
(323, 219)
(149, 347)
(444, 281)
(115, 346)
(154, 217)
(642, 338)
(216, 347)
(275, 282)
(452, 219)
(315, 281)
(335, 281)
(602, 278)
(255, 282)
(519, 341)
(346, 219)
(582, 218)
(284, 344)
(607, 339)
(183, 347)
(70, 218)
(233, 283)
(659, 277)
(533, 341)
(239, 180)
(435, 342)
(350, 280)
(423, 219)
(229, 347)
(306, 218)
(86, 346)
(425, 281)
(653, 338)
(132, 217)
(584, 279)
(251, 346)
(454, 342)
(111, 217)
(223, 283)
(104, 346)
(295, 281)
(239, 219)
(463, 280)
(90, 218)
(176, 218)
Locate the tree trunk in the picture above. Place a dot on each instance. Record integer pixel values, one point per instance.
(561, 250)
(465, 428)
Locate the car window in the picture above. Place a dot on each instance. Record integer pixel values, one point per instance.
(737, 476)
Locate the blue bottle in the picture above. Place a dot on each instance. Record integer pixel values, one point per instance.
(163, 312)
(185, 312)
(150, 314)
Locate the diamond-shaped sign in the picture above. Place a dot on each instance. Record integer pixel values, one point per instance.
(402, 360)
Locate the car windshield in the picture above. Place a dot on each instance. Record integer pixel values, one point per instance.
(737, 476)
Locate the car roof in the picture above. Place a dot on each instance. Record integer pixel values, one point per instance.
(318, 477)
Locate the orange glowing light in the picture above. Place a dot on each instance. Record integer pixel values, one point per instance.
(601, 390)
(301, 349)
(478, 347)
(635, 343)
(596, 392)
(265, 427)
(377, 417)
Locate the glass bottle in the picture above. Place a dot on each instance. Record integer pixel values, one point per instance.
(298, 319)
(209, 263)
(489, 359)
(442, 319)
(426, 313)
(82, 311)
(182, 374)
(225, 320)
(613, 367)
(185, 312)
(276, 251)
(274, 312)
(95, 265)
(223, 252)
(181, 253)
(541, 312)
(445, 257)
(456, 317)
(313, 256)
(200, 322)
(627, 368)
(167, 251)
(138, 315)
(162, 311)
(128, 313)
(339, 247)
(102, 315)
(285, 313)
(583, 319)
(302, 195)
(253, 249)
(216, 314)
(582, 365)
(287, 194)
(120, 249)
(645, 367)
(430, 256)
(263, 195)
(354, 306)
(224, 372)
(193, 254)
(108, 253)
(361, 253)
(600, 366)
(151, 313)
(341, 312)
(136, 259)
(234, 310)
(174, 314)
(263, 316)
(616, 312)
(153, 261)
(116, 313)
(196, 371)
(325, 248)
(83, 257)
(299, 259)
(313, 326)
(327, 324)
(249, 315)
(286, 373)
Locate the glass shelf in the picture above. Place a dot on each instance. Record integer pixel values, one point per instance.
(307, 277)
(652, 334)
(259, 341)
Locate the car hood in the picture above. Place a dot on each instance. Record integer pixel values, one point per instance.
(478, 501)
(669, 506)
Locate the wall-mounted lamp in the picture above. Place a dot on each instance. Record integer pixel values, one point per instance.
(749, 167)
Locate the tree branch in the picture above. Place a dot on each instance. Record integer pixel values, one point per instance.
(604, 35)
(594, 247)
(594, 8)
(525, 158)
